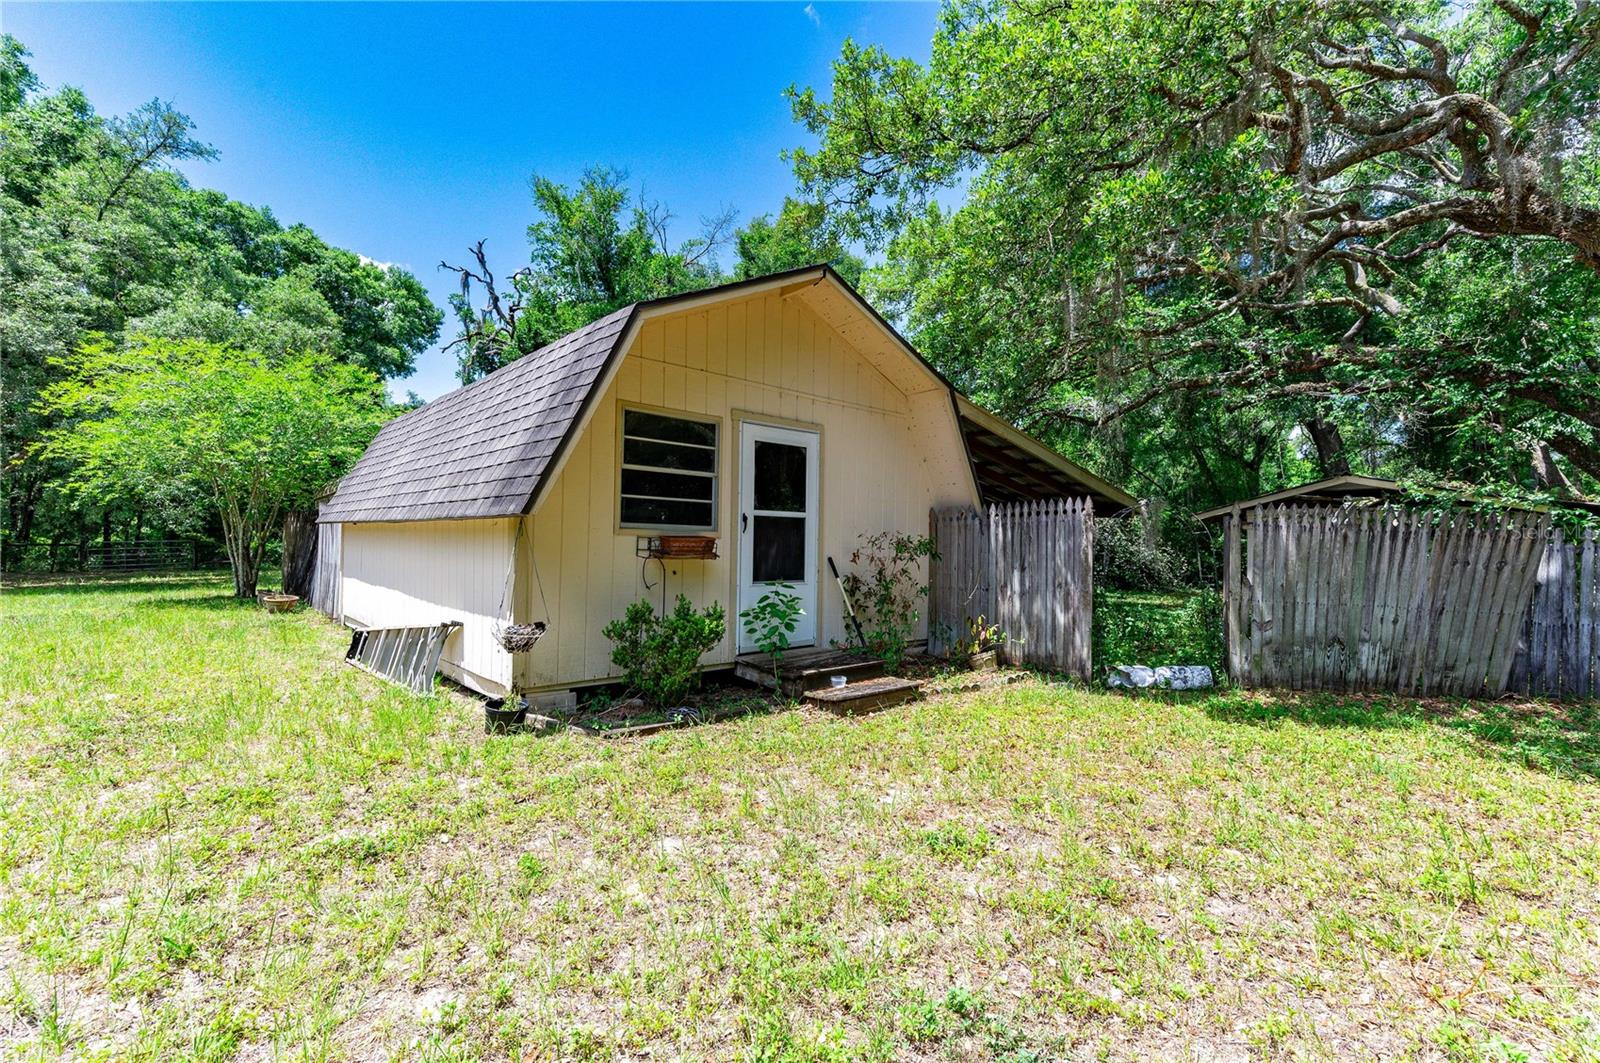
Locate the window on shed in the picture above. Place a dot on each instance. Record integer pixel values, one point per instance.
(669, 472)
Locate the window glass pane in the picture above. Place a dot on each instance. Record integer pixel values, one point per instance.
(655, 493)
(665, 484)
(670, 429)
(651, 511)
(667, 455)
(778, 550)
(780, 476)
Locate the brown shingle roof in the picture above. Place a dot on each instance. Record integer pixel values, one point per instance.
(481, 450)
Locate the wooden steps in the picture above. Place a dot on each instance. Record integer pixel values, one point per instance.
(804, 670)
(865, 695)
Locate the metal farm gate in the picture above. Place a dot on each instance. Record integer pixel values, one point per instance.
(1026, 566)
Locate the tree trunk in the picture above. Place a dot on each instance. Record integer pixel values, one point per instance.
(24, 504)
(242, 557)
(245, 574)
(1331, 458)
(299, 550)
(1547, 474)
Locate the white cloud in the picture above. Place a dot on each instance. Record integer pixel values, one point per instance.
(811, 13)
(365, 261)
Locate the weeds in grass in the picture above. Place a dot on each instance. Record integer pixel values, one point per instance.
(222, 843)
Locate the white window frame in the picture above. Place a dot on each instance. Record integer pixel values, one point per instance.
(715, 475)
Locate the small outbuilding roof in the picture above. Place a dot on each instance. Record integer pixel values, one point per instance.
(1333, 490)
(485, 449)
(1338, 490)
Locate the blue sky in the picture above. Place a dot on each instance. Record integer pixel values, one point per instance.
(407, 131)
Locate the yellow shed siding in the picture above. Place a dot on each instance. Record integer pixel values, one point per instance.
(427, 572)
(888, 453)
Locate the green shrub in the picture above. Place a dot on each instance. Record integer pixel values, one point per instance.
(887, 591)
(1156, 629)
(1124, 560)
(660, 655)
(771, 621)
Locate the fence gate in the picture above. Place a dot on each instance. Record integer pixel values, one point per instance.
(1026, 566)
(1415, 601)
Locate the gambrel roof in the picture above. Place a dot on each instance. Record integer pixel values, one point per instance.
(485, 450)
(479, 451)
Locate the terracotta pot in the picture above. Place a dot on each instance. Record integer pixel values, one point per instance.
(983, 661)
(279, 603)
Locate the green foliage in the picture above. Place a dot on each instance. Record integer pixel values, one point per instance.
(1202, 256)
(888, 590)
(593, 249)
(201, 424)
(660, 655)
(1126, 558)
(771, 621)
(798, 237)
(100, 234)
(1156, 629)
(981, 637)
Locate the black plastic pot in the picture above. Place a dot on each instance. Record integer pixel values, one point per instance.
(500, 718)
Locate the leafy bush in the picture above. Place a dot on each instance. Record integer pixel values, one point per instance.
(660, 655)
(771, 621)
(1157, 629)
(888, 593)
(1125, 560)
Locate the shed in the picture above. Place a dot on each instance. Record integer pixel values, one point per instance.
(766, 424)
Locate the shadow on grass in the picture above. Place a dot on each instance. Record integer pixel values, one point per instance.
(117, 583)
(1559, 738)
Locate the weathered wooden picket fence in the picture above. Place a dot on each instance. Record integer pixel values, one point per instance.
(325, 584)
(1414, 601)
(1026, 566)
(1559, 652)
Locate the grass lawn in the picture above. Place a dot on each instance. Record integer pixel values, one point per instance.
(219, 842)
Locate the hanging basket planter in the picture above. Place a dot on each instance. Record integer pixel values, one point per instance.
(519, 638)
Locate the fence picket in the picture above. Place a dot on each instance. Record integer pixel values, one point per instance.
(1451, 603)
(1026, 567)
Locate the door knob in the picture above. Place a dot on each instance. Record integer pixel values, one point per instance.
(744, 522)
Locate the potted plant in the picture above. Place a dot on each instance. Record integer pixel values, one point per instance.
(276, 602)
(979, 650)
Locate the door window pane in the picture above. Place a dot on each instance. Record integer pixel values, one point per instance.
(780, 477)
(778, 549)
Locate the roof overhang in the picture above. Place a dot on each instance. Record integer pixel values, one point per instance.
(1012, 466)
(1340, 490)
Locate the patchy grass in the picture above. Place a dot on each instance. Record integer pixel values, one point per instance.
(220, 843)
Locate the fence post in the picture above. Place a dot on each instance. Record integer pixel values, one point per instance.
(1232, 599)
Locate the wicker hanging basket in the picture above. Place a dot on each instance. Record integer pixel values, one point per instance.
(519, 638)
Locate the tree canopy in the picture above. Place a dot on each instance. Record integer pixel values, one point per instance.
(200, 425)
(99, 235)
(599, 247)
(1222, 244)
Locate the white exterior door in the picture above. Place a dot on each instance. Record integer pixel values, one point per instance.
(777, 522)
